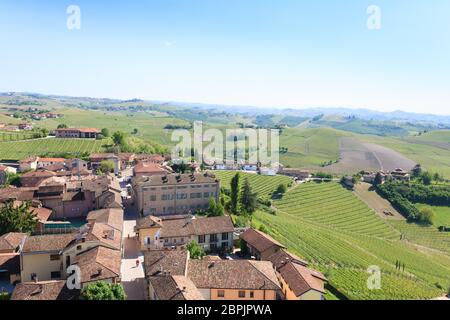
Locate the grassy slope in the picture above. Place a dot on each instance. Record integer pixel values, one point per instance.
(325, 237)
(441, 214)
(263, 185)
(310, 147)
(22, 149)
(438, 135)
(430, 157)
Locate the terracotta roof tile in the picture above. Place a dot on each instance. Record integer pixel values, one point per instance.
(174, 288)
(99, 263)
(233, 274)
(158, 262)
(11, 241)
(49, 290)
(50, 242)
(259, 240)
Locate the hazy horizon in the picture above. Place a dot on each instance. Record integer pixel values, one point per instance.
(266, 54)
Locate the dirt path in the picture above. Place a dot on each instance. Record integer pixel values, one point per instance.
(377, 203)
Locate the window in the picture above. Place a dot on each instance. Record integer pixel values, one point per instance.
(153, 198)
(79, 248)
(201, 239)
(241, 294)
(225, 236)
(221, 293)
(252, 294)
(147, 240)
(55, 275)
(206, 195)
(54, 257)
(213, 238)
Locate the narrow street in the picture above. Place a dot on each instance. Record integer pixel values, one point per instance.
(133, 279)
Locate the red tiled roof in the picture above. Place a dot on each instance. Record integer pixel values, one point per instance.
(149, 167)
(51, 160)
(302, 279)
(48, 290)
(11, 241)
(259, 240)
(233, 274)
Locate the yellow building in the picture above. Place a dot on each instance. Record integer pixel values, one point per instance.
(234, 279)
(213, 234)
(41, 257)
(298, 282)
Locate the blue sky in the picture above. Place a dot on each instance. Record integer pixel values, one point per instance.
(276, 53)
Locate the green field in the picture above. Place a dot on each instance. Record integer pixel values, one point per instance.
(263, 185)
(15, 136)
(431, 157)
(423, 235)
(150, 125)
(310, 147)
(21, 149)
(332, 205)
(328, 226)
(441, 214)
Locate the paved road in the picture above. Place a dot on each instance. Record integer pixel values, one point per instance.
(133, 279)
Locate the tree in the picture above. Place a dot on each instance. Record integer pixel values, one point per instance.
(426, 178)
(105, 132)
(17, 218)
(13, 179)
(417, 171)
(44, 132)
(62, 126)
(215, 209)
(426, 216)
(195, 250)
(102, 290)
(106, 166)
(243, 247)
(118, 138)
(235, 193)
(281, 189)
(135, 131)
(378, 179)
(248, 198)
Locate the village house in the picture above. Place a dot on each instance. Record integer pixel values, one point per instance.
(96, 160)
(400, 174)
(170, 287)
(82, 133)
(70, 197)
(298, 282)
(147, 169)
(259, 244)
(10, 246)
(41, 259)
(170, 273)
(234, 279)
(174, 194)
(213, 234)
(29, 163)
(96, 248)
(25, 126)
(299, 174)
